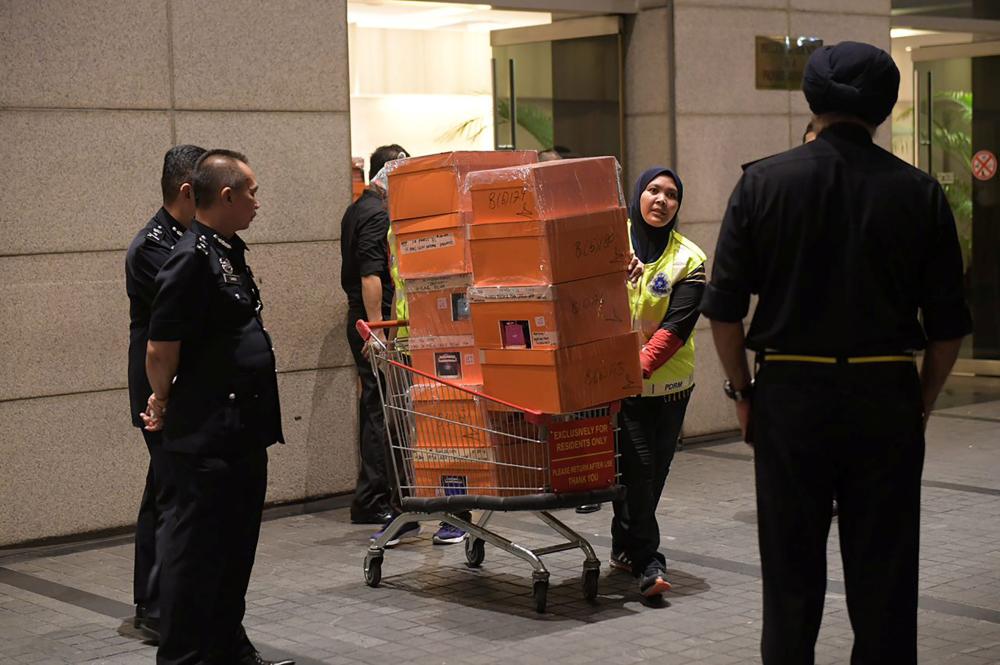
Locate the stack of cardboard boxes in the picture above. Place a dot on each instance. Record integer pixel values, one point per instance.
(549, 305)
(515, 280)
(429, 210)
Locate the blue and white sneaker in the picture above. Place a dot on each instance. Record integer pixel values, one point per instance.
(448, 535)
(409, 531)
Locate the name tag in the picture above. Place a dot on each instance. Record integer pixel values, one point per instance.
(231, 279)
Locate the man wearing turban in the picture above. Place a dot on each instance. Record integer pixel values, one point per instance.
(855, 260)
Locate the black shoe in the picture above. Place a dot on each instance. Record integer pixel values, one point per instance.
(256, 659)
(653, 582)
(377, 517)
(148, 626)
(588, 508)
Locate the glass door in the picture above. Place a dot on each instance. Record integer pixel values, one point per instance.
(958, 138)
(559, 85)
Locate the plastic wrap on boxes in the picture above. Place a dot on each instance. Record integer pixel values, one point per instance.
(432, 246)
(454, 358)
(550, 251)
(566, 379)
(545, 190)
(547, 317)
(439, 306)
(434, 184)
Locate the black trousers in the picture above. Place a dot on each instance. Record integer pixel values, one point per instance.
(211, 543)
(650, 427)
(374, 488)
(150, 526)
(853, 430)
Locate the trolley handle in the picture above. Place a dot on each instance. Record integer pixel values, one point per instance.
(365, 328)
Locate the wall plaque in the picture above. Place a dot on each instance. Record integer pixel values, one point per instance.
(781, 61)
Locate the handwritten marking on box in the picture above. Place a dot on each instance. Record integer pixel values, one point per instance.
(436, 241)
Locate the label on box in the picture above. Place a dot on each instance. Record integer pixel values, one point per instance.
(436, 241)
(439, 283)
(582, 454)
(455, 485)
(448, 365)
(489, 293)
(439, 455)
(470, 358)
(544, 338)
(460, 307)
(540, 321)
(515, 335)
(442, 303)
(441, 342)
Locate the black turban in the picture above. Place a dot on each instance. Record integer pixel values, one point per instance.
(853, 78)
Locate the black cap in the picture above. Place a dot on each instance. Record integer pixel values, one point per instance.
(852, 78)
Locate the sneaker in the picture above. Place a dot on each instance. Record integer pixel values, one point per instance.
(448, 535)
(653, 582)
(620, 561)
(409, 531)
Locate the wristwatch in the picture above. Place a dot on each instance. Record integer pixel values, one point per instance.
(737, 395)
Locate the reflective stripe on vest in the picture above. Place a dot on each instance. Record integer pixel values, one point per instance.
(402, 309)
(648, 302)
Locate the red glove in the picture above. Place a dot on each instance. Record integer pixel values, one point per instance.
(660, 348)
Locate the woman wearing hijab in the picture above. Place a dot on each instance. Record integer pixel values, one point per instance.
(664, 305)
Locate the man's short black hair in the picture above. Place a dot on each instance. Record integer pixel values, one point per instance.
(178, 168)
(383, 154)
(215, 170)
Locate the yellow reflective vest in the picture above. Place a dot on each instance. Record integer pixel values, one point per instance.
(648, 303)
(402, 309)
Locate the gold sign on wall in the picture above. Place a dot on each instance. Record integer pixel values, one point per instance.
(781, 61)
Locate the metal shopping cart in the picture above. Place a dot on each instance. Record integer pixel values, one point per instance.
(455, 449)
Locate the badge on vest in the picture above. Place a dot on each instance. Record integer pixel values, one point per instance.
(231, 278)
(227, 267)
(659, 285)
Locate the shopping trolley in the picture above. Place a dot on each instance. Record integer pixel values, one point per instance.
(455, 449)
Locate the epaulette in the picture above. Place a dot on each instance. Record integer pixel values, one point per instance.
(155, 233)
(202, 245)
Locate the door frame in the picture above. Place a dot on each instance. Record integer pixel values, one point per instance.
(977, 367)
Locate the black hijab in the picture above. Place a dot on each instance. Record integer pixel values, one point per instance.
(650, 241)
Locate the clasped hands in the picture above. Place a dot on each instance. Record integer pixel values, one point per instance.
(155, 413)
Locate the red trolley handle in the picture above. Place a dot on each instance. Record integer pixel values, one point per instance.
(365, 328)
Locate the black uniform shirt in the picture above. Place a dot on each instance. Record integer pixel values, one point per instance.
(225, 397)
(845, 244)
(143, 260)
(364, 250)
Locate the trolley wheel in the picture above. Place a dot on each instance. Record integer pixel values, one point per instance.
(475, 551)
(590, 582)
(539, 593)
(373, 568)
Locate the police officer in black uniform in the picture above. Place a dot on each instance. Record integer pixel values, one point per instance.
(855, 257)
(146, 255)
(215, 397)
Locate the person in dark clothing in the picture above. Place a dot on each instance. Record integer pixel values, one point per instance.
(211, 367)
(143, 260)
(664, 305)
(847, 247)
(367, 282)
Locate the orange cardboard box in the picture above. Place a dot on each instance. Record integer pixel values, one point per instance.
(504, 470)
(438, 306)
(566, 379)
(539, 253)
(545, 190)
(434, 184)
(547, 317)
(450, 358)
(447, 417)
(432, 246)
